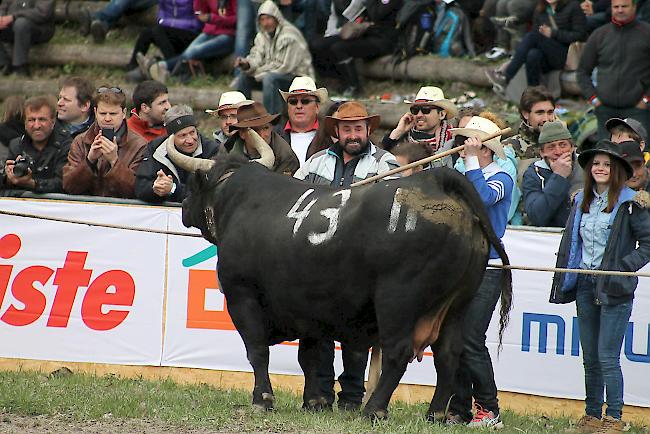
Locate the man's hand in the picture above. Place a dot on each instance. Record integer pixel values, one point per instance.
(162, 186)
(545, 30)
(563, 166)
(23, 181)
(242, 63)
(642, 105)
(6, 21)
(285, 2)
(405, 123)
(587, 7)
(109, 150)
(472, 146)
(95, 149)
(203, 17)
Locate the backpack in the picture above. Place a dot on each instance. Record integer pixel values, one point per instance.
(413, 38)
(453, 35)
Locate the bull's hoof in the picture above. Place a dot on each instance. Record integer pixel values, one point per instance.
(317, 404)
(265, 403)
(376, 414)
(349, 406)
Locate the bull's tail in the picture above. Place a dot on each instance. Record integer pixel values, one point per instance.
(457, 183)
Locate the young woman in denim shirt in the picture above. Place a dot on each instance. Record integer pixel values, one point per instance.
(606, 222)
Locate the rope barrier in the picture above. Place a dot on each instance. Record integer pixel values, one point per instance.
(103, 225)
(184, 234)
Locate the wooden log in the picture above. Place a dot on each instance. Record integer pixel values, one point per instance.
(73, 11)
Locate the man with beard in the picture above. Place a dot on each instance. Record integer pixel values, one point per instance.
(549, 183)
(426, 121)
(158, 179)
(352, 158)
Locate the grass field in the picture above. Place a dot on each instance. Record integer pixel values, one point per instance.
(34, 402)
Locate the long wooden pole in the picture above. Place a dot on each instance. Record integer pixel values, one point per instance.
(426, 160)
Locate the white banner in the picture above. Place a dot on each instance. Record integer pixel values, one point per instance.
(78, 293)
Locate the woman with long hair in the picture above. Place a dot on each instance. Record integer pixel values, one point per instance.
(607, 221)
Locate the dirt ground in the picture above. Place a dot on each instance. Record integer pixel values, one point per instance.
(61, 424)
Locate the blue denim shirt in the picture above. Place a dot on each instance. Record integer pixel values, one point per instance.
(594, 231)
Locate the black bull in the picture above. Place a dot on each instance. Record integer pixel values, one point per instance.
(393, 263)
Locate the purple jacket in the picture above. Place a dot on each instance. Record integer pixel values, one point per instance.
(178, 14)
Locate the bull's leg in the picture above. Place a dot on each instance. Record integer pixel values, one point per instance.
(393, 363)
(248, 317)
(447, 352)
(313, 353)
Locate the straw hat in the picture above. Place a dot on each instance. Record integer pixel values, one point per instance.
(481, 128)
(253, 115)
(230, 100)
(433, 96)
(305, 86)
(350, 111)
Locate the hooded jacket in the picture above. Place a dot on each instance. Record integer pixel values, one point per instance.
(547, 195)
(217, 24)
(178, 14)
(286, 161)
(283, 52)
(629, 222)
(156, 159)
(39, 12)
(100, 179)
(622, 56)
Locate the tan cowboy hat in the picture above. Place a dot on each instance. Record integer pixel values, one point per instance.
(305, 86)
(253, 115)
(230, 100)
(433, 96)
(481, 128)
(350, 111)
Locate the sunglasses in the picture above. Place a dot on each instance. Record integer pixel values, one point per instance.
(303, 101)
(424, 110)
(109, 89)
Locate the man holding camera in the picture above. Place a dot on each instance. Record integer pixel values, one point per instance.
(35, 161)
(103, 160)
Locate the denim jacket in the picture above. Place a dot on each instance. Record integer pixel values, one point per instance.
(629, 223)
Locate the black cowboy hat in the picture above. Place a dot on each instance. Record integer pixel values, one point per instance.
(606, 147)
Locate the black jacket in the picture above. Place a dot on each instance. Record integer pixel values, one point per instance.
(10, 130)
(40, 12)
(156, 159)
(631, 223)
(622, 56)
(570, 22)
(48, 163)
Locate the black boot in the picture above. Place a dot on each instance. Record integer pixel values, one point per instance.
(351, 76)
(22, 70)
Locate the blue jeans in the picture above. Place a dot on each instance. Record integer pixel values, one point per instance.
(116, 8)
(204, 46)
(246, 11)
(271, 83)
(602, 329)
(603, 113)
(475, 375)
(540, 55)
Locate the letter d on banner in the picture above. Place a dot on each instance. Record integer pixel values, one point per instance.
(198, 317)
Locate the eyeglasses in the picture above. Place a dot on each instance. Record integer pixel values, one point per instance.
(109, 89)
(425, 110)
(303, 101)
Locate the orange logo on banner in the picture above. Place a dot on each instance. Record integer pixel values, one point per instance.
(197, 316)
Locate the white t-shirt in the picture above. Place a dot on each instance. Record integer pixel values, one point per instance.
(300, 142)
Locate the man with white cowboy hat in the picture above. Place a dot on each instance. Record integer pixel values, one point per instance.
(254, 116)
(475, 377)
(426, 121)
(303, 104)
(227, 113)
(353, 158)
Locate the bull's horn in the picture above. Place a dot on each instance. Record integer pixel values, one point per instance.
(267, 158)
(191, 164)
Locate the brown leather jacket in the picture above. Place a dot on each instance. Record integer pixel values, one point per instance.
(79, 177)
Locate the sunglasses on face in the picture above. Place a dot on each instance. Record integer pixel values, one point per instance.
(424, 110)
(109, 89)
(303, 101)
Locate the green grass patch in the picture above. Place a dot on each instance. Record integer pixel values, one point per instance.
(89, 398)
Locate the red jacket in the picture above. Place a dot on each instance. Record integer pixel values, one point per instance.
(218, 25)
(142, 128)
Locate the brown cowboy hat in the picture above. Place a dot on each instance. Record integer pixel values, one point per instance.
(253, 115)
(350, 111)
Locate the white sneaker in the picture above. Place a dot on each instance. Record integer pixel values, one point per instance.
(496, 53)
(485, 419)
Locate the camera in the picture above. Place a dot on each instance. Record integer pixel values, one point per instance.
(22, 165)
